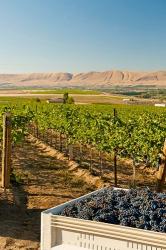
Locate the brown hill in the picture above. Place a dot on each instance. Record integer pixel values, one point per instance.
(90, 79)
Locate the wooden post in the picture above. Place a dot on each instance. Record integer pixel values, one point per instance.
(134, 174)
(161, 175)
(56, 142)
(60, 142)
(51, 140)
(115, 169)
(81, 155)
(70, 148)
(115, 112)
(6, 150)
(66, 145)
(91, 159)
(101, 163)
(37, 130)
(47, 135)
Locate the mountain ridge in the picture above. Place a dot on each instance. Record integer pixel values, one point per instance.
(88, 79)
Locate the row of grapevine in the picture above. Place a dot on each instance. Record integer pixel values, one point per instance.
(134, 132)
(21, 116)
(137, 134)
(13, 127)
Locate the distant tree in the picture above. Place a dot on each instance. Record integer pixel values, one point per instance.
(146, 95)
(38, 99)
(70, 100)
(65, 97)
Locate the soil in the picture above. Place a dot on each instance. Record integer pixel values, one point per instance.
(46, 182)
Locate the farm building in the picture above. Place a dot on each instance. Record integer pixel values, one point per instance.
(160, 105)
(55, 100)
(126, 100)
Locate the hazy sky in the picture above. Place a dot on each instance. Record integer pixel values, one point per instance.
(82, 35)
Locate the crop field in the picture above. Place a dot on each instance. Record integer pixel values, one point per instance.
(60, 152)
(62, 91)
(80, 96)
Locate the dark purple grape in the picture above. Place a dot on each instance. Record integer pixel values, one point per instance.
(139, 208)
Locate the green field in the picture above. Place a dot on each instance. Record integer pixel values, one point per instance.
(62, 91)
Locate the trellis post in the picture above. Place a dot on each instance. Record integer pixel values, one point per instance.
(161, 175)
(6, 150)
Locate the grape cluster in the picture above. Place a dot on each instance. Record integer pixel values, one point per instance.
(138, 208)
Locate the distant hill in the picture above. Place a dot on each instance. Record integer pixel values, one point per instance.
(90, 79)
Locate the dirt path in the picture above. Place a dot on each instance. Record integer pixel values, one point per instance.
(46, 183)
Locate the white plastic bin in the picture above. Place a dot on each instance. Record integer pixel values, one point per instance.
(59, 232)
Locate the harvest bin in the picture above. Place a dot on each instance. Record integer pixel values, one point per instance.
(60, 232)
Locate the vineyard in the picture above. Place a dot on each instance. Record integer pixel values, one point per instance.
(104, 132)
(95, 136)
(114, 144)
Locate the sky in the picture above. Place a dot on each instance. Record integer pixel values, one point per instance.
(82, 35)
